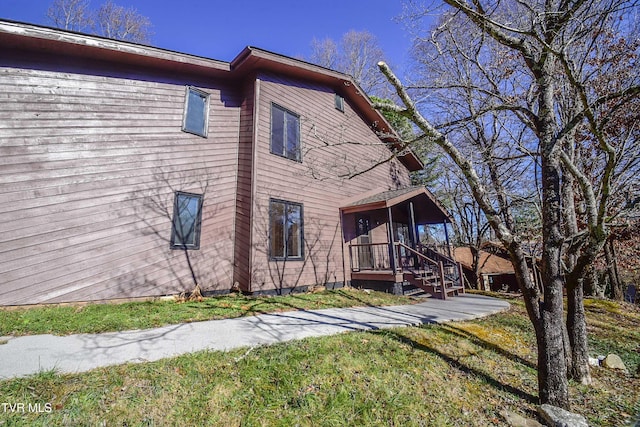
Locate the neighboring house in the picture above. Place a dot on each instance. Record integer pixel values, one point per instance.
(130, 171)
(495, 272)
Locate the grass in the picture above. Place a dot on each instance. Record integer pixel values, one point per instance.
(457, 374)
(97, 318)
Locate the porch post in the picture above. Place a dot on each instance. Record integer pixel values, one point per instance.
(414, 233)
(392, 252)
(446, 235)
(414, 229)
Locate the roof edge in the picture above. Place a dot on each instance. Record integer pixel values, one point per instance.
(376, 120)
(37, 37)
(118, 47)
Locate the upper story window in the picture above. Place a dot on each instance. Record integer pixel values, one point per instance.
(285, 230)
(196, 112)
(187, 215)
(339, 103)
(285, 133)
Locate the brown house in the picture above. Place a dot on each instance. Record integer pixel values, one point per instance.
(495, 272)
(130, 171)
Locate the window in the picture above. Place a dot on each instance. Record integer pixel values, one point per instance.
(285, 133)
(285, 230)
(187, 214)
(196, 112)
(339, 102)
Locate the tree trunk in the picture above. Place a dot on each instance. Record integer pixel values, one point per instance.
(617, 293)
(577, 330)
(552, 367)
(548, 322)
(590, 283)
(552, 371)
(475, 256)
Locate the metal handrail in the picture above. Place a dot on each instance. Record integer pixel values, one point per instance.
(444, 261)
(439, 254)
(419, 254)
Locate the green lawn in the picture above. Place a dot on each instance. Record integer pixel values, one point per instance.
(458, 374)
(96, 318)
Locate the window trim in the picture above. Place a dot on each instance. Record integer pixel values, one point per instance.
(198, 223)
(286, 237)
(339, 102)
(207, 96)
(284, 136)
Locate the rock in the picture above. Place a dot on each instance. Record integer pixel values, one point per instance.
(558, 417)
(594, 361)
(517, 420)
(613, 361)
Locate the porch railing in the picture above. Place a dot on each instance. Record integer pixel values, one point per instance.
(369, 256)
(377, 256)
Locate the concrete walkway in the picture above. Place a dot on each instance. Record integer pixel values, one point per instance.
(22, 356)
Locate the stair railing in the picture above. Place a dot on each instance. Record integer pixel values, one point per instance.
(452, 269)
(425, 263)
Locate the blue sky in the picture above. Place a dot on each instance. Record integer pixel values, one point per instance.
(220, 29)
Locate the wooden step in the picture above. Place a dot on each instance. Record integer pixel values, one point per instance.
(413, 291)
(455, 290)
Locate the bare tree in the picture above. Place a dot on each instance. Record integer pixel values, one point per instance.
(116, 22)
(356, 55)
(471, 228)
(109, 20)
(324, 53)
(543, 51)
(71, 15)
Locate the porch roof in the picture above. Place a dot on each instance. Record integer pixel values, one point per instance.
(427, 208)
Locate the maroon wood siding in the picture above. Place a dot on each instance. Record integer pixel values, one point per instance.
(335, 144)
(89, 162)
(92, 154)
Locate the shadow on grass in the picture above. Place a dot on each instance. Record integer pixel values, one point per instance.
(456, 364)
(265, 305)
(347, 295)
(487, 345)
(622, 331)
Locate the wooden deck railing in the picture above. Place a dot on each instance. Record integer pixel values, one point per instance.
(369, 256)
(421, 261)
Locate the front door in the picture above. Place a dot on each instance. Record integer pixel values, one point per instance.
(363, 233)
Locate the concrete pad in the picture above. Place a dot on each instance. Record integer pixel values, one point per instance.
(22, 356)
